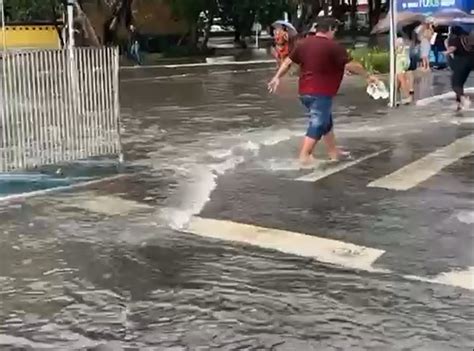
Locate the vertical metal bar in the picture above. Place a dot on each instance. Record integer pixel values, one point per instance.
(117, 105)
(47, 110)
(16, 112)
(35, 134)
(393, 38)
(23, 115)
(40, 97)
(68, 103)
(57, 155)
(30, 111)
(103, 109)
(109, 101)
(44, 113)
(8, 111)
(5, 96)
(54, 116)
(94, 93)
(98, 88)
(61, 103)
(5, 114)
(89, 101)
(85, 98)
(73, 91)
(78, 95)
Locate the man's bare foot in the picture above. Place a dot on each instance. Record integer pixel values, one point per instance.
(339, 155)
(307, 160)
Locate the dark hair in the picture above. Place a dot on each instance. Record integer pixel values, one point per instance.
(325, 24)
(456, 30)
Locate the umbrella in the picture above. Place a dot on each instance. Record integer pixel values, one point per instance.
(443, 17)
(466, 23)
(403, 19)
(289, 27)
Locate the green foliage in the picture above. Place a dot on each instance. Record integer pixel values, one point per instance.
(374, 60)
(31, 10)
(189, 10)
(243, 13)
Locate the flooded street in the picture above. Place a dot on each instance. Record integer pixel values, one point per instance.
(116, 266)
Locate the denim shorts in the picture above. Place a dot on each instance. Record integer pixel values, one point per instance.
(318, 108)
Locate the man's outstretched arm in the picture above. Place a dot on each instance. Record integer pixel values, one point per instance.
(284, 68)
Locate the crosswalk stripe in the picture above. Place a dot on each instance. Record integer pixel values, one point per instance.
(426, 167)
(320, 174)
(462, 278)
(325, 250)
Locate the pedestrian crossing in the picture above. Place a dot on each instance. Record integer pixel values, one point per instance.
(419, 171)
(334, 252)
(322, 248)
(410, 175)
(318, 175)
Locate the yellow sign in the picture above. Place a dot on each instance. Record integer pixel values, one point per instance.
(25, 36)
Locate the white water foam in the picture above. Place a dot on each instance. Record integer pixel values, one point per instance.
(201, 174)
(465, 217)
(290, 164)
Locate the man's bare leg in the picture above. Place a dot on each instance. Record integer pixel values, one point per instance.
(333, 151)
(306, 153)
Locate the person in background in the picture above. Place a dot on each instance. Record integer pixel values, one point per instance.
(411, 41)
(134, 45)
(282, 44)
(402, 64)
(425, 34)
(461, 48)
(438, 47)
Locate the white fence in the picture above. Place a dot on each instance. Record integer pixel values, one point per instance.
(58, 106)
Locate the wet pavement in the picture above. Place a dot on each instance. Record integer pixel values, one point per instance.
(113, 267)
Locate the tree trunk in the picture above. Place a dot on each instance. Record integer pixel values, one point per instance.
(326, 7)
(86, 25)
(312, 14)
(193, 35)
(376, 13)
(353, 16)
(370, 5)
(54, 16)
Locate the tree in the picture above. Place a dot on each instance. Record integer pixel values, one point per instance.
(119, 14)
(31, 10)
(191, 12)
(242, 14)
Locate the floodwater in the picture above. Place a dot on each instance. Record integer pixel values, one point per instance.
(75, 276)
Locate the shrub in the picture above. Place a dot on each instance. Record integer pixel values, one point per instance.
(373, 60)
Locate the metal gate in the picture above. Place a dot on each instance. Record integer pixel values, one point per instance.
(58, 106)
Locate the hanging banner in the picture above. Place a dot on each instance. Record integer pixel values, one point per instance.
(430, 6)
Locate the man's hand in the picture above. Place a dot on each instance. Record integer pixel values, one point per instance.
(282, 70)
(273, 85)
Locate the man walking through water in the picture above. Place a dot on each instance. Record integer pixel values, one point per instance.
(322, 63)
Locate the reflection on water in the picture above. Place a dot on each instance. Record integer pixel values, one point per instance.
(75, 279)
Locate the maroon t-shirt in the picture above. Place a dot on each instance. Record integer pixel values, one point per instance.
(322, 63)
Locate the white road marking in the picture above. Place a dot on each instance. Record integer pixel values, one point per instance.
(330, 251)
(202, 64)
(104, 204)
(325, 250)
(320, 174)
(431, 99)
(61, 188)
(426, 167)
(462, 279)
